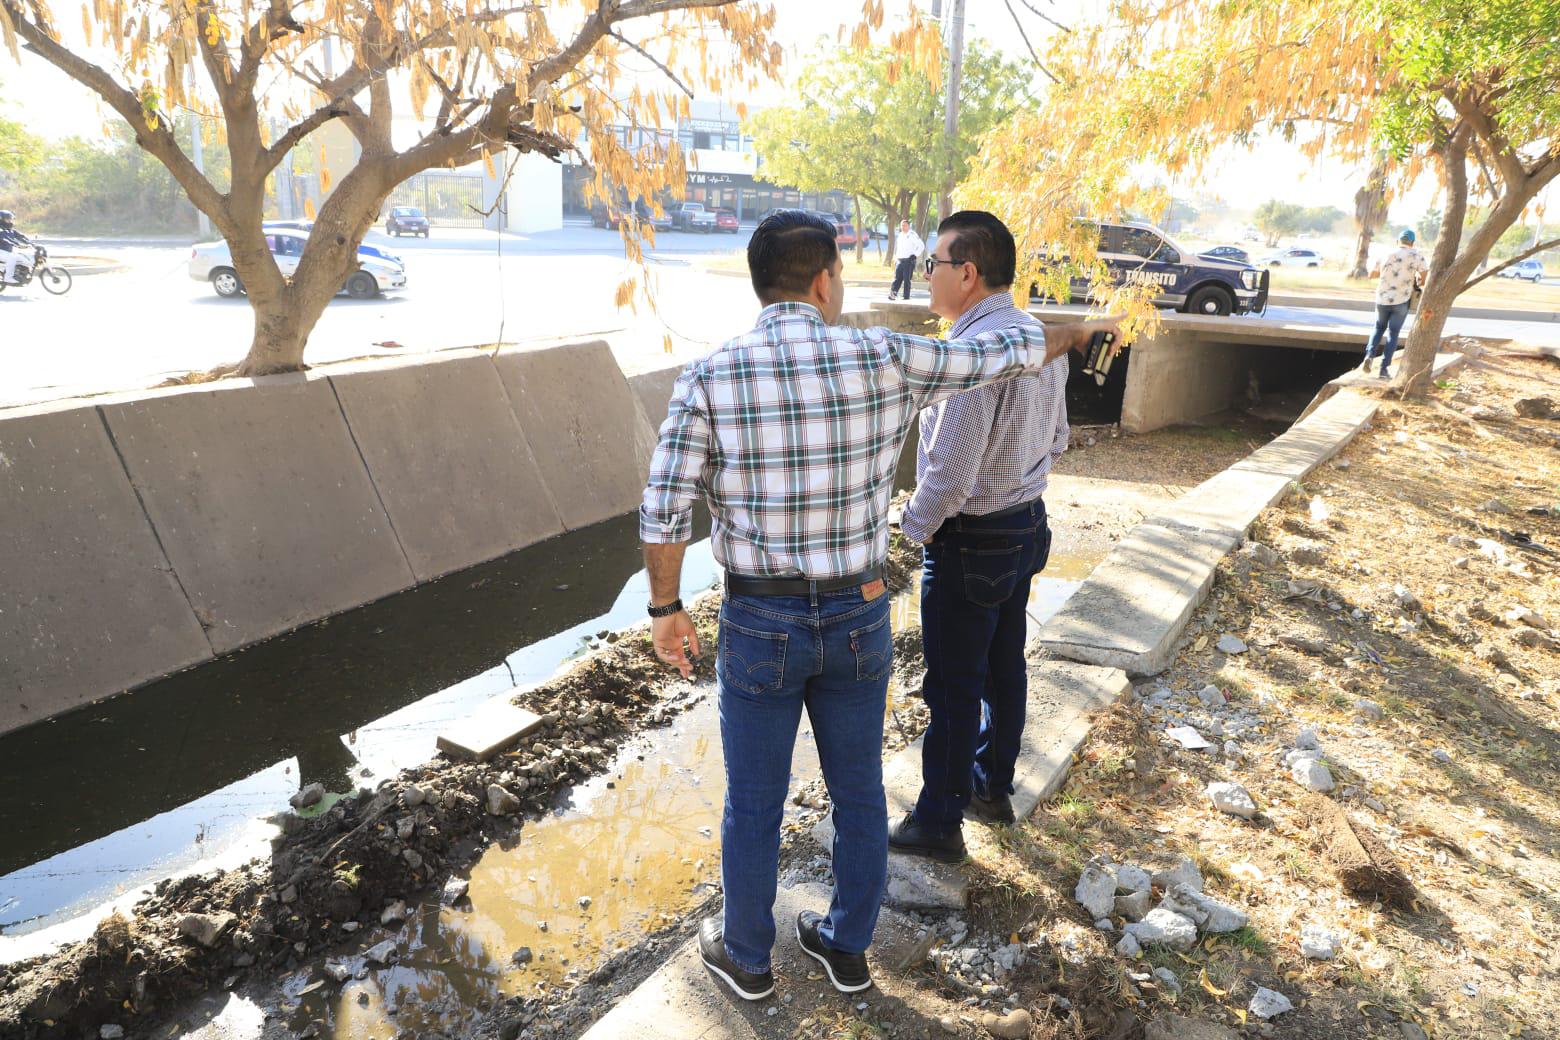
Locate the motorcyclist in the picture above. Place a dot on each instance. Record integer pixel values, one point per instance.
(15, 247)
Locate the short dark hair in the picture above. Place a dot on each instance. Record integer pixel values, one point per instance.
(981, 239)
(786, 253)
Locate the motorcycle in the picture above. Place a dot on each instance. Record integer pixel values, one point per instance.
(54, 279)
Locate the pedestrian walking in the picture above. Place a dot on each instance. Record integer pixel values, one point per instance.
(1400, 274)
(791, 432)
(981, 470)
(907, 250)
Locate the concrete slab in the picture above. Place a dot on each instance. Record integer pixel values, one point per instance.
(1312, 441)
(490, 728)
(654, 391)
(1228, 502)
(585, 426)
(1062, 697)
(448, 458)
(1129, 612)
(91, 605)
(682, 1001)
(262, 503)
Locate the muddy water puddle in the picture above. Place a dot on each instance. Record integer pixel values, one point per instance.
(641, 842)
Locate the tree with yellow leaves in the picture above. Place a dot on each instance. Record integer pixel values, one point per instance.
(479, 76)
(1465, 91)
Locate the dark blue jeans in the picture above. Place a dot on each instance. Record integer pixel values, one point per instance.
(832, 654)
(973, 594)
(904, 274)
(1389, 320)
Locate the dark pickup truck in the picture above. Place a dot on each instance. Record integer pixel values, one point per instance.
(1197, 284)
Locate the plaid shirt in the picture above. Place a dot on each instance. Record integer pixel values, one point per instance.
(992, 447)
(792, 432)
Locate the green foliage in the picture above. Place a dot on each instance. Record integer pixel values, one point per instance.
(1428, 227)
(83, 186)
(867, 126)
(1276, 219)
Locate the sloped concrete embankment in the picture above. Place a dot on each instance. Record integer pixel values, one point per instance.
(146, 533)
(1124, 620)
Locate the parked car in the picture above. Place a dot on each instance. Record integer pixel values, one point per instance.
(726, 220)
(1136, 252)
(377, 272)
(1227, 253)
(604, 216)
(1298, 256)
(1531, 270)
(692, 216)
(845, 234)
(406, 220)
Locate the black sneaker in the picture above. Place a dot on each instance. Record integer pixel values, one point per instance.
(910, 837)
(712, 949)
(997, 809)
(847, 971)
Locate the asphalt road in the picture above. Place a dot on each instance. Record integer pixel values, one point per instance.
(138, 327)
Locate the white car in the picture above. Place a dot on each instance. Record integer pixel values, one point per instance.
(1531, 270)
(377, 271)
(1299, 256)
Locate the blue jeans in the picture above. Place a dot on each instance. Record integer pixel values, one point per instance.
(832, 653)
(1389, 319)
(974, 591)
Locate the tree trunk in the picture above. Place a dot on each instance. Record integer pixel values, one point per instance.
(922, 201)
(1361, 268)
(279, 338)
(1370, 212)
(1441, 288)
(861, 230)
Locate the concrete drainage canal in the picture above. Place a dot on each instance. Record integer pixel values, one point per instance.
(194, 773)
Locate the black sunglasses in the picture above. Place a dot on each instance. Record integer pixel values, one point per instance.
(932, 262)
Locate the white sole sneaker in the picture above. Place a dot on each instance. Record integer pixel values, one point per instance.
(829, 968)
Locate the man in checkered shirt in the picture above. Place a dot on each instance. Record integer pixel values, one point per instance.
(981, 469)
(791, 433)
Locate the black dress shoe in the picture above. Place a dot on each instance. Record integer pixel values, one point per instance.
(847, 971)
(909, 836)
(997, 809)
(712, 949)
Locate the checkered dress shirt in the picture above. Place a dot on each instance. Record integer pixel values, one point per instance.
(792, 432)
(992, 447)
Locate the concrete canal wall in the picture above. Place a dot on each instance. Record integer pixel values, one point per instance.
(141, 534)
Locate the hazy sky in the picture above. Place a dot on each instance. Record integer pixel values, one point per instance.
(51, 104)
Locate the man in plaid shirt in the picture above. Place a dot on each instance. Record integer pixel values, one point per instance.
(791, 433)
(981, 469)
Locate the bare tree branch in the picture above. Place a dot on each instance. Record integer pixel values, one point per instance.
(1514, 260)
(652, 59)
(1045, 16)
(1025, 37)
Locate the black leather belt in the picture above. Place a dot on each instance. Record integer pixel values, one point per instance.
(1001, 513)
(742, 585)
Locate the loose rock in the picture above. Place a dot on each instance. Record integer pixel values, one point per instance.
(1165, 928)
(313, 794)
(1269, 1003)
(1168, 980)
(1132, 878)
(1307, 740)
(1184, 872)
(381, 953)
(1318, 943)
(1128, 946)
(1312, 775)
(1134, 905)
(393, 913)
(1096, 890)
(455, 890)
(1535, 408)
(1368, 709)
(1211, 696)
(522, 956)
(111, 1032)
(1015, 1025)
(206, 929)
(1233, 799)
(1230, 644)
(500, 802)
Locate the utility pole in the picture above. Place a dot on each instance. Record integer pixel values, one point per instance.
(954, 36)
(197, 150)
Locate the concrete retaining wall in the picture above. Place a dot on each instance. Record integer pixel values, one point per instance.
(146, 533)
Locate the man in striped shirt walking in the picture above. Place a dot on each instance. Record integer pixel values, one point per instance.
(981, 470)
(791, 433)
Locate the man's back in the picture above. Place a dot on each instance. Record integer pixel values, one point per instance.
(1398, 274)
(992, 447)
